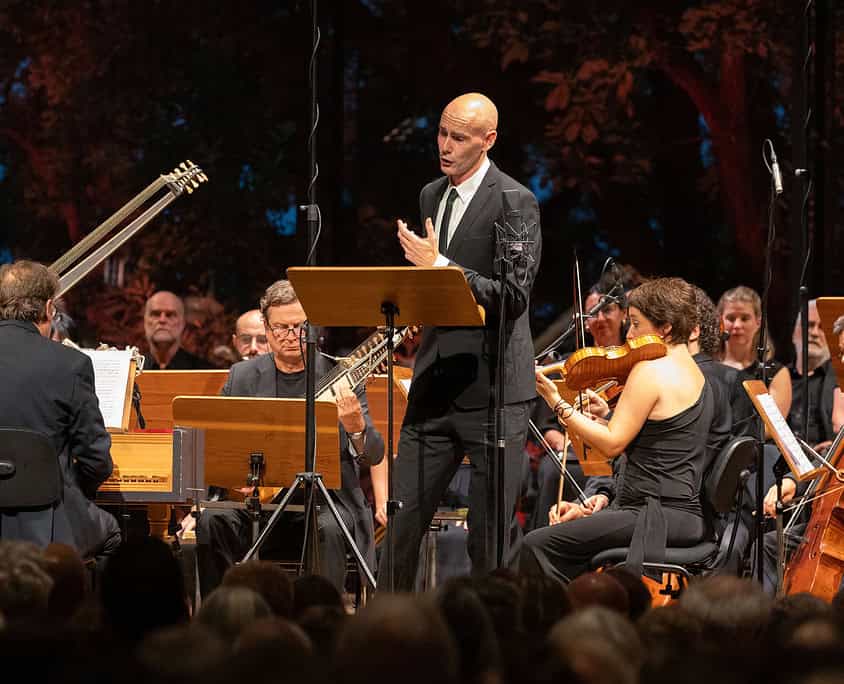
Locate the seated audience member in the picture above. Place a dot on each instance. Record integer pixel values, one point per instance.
(70, 580)
(250, 335)
(229, 610)
(181, 654)
(663, 420)
(266, 579)
(164, 323)
(396, 637)
(49, 388)
(143, 589)
(25, 582)
(314, 590)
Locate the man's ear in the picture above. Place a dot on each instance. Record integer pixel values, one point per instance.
(49, 311)
(694, 334)
(489, 140)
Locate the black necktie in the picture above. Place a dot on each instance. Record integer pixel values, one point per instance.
(446, 219)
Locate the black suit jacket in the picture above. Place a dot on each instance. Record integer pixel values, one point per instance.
(256, 378)
(456, 366)
(48, 387)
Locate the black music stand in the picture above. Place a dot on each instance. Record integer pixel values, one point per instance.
(391, 296)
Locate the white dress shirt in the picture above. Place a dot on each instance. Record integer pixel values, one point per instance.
(465, 192)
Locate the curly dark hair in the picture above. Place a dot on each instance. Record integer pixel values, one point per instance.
(710, 323)
(667, 301)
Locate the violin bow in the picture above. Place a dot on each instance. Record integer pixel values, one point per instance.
(557, 457)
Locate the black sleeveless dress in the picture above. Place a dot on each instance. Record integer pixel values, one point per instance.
(657, 500)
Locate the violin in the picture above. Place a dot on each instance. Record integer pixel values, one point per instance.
(590, 366)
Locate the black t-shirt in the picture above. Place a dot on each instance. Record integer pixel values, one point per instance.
(745, 419)
(182, 360)
(290, 385)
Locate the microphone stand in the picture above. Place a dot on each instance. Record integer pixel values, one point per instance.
(763, 369)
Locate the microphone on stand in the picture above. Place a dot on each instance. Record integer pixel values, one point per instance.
(776, 174)
(513, 236)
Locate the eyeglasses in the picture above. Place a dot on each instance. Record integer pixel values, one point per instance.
(282, 331)
(248, 339)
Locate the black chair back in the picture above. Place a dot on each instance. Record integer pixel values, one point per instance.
(29, 470)
(722, 481)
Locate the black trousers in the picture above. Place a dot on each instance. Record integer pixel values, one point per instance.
(565, 550)
(224, 535)
(429, 453)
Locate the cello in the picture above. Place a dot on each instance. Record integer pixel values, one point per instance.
(817, 566)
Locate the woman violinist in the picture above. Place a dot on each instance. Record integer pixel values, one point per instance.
(662, 422)
(607, 329)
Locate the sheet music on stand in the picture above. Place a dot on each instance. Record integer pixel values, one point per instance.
(798, 462)
(114, 378)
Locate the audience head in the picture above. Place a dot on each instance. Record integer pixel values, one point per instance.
(182, 653)
(274, 644)
(471, 626)
(663, 307)
(143, 589)
(638, 596)
(599, 645)
(598, 589)
(27, 293)
(314, 590)
(228, 609)
(250, 335)
(732, 610)
(25, 582)
(396, 637)
(267, 580)
(285, 320)
(164, 321)
(70, 580)
(323, 624)
(818, 348)
(545, 602)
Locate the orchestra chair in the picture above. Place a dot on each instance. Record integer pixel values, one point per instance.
(30, 482)
(723, 485)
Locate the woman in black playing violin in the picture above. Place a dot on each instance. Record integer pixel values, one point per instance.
(662, 422)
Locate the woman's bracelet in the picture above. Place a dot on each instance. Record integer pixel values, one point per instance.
(563, 410)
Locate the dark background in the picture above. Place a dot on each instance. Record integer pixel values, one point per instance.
(638, 125)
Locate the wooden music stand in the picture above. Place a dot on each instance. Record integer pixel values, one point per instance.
(237, 426)
(159, 387)
(777, 427)
(391, 296)
(830, 309)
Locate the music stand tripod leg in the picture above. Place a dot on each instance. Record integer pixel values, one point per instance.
(320, 485)
(253, 551)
